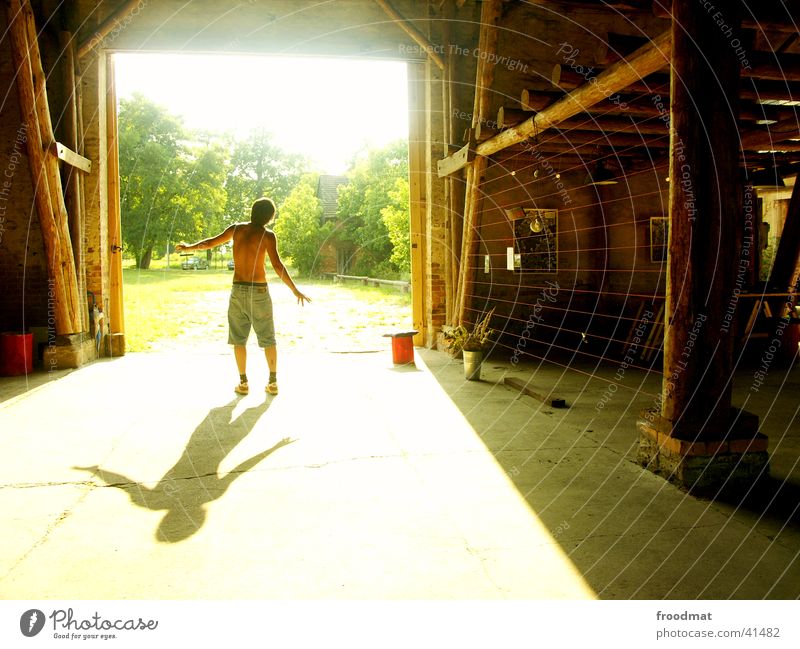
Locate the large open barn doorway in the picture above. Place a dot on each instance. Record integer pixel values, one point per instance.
(200, 137)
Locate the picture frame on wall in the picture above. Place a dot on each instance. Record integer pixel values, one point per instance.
(535, 239)
(659, 236)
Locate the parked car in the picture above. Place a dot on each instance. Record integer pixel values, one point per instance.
(194, 263)
(230, 264)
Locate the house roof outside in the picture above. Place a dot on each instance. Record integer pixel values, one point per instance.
(328, 193)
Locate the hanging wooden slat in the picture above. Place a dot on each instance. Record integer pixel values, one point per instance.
(64, 153)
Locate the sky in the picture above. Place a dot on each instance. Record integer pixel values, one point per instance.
(326, 109)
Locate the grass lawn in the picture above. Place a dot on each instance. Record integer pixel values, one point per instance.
(171, 308)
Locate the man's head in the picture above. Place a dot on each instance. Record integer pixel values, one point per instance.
(262, 212)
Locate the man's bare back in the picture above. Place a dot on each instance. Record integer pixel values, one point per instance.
(251, 245)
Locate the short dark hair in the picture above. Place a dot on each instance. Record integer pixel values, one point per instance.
(262, 212)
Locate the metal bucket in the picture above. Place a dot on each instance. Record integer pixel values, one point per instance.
(472, 365)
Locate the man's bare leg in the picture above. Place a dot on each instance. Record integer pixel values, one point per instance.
(271, 354)
(240, 354)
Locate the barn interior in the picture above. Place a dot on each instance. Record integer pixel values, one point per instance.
(615, 182)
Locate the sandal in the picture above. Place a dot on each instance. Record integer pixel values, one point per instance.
(272, 388)
(242, 388)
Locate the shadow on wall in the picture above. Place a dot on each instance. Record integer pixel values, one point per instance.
(194, 480)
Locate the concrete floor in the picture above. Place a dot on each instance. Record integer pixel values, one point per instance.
(144, 477)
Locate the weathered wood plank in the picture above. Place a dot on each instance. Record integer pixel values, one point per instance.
(547, 398)
(64, 153)
(456, 161)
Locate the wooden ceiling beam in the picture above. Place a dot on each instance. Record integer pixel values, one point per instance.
(117, 20)
(648, 59)
(416, 35)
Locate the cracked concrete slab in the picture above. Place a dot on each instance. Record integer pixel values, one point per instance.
(146, 477)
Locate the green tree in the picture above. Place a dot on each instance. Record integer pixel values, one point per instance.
(361, 224)
(260, 168)
(151, 162)
(396, 219)
(201, 206)
(297, 226)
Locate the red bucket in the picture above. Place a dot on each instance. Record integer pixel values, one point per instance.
(403, 347)
(16, 354)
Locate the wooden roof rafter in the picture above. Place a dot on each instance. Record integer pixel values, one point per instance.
(646, 60)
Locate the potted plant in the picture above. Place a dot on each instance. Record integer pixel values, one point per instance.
(470, 343)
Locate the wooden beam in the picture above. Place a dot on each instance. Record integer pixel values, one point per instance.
(648, 59)
(456, 161)
(507, 117)
(703, 237)
(536, 99)
(64, 153)
(574, 137)
(48, 195)
(767, 89)
(482, 132)
(770, 136)
(117, 20)
(74, 180)
(545, 397)
(786, 266)
(776, 67)
(115, 307)
(611, 124)
(762, 17)
(484, 77)
(416, 35)
(569, 80)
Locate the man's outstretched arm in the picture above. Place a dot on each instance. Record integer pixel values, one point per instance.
(280, 269)
(211, 242)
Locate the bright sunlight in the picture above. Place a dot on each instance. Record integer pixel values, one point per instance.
(325, 109)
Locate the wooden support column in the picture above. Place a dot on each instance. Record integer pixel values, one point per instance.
(116, 310)
(490, 15)
(74, 183)
(416, 196)
(786, 267)
(703, 209)
(436, 252)
(48, 194)
(693, 439)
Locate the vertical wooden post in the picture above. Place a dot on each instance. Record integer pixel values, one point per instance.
(48, 194)
(704, 205)
(116, 310)
(786, 267)
(447, 96)
(490, 15)
(416, 195)
(435, 206)
(74, 183)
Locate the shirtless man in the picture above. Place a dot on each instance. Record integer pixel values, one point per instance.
(250, 303)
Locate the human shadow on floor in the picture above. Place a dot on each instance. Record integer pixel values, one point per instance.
(194, 480)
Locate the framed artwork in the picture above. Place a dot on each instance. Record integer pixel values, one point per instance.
(535, 239)
(659, 235)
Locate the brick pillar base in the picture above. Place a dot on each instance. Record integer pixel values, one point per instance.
(69, 352)
(731, 463)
